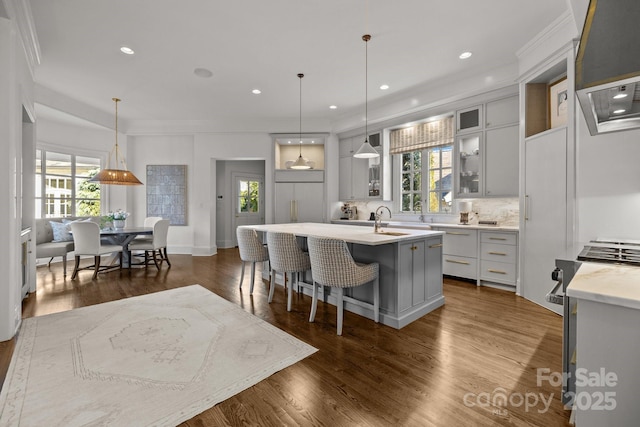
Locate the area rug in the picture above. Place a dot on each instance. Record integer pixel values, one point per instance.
(157, 359)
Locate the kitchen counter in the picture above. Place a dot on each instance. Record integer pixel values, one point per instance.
(410, 267)
(426, 225)
(607, 283)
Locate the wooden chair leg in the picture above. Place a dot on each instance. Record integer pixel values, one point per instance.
(155, 260)
(272, 283)
(340, 308)
(96, 267)
(75, 269)
(49, 264)
(64, 264)
(290, 287)
(241, 275)
(166, 257)
(314, 302)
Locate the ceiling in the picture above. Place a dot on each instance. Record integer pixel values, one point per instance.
(249, 44)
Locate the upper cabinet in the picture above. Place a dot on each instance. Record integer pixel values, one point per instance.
(360, 179)
(486, 149)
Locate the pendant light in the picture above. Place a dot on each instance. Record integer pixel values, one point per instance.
(366, 151)
(300, 163)
(116, 176)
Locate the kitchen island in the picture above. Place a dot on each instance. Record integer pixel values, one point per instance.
(410, 267)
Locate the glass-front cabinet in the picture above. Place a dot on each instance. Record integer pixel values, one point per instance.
(469, 155)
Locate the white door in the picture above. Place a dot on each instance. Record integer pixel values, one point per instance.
(545, 225)
(248, 201)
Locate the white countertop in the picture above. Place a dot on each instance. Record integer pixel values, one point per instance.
(427, 225)
(607, 283)
(350, 233)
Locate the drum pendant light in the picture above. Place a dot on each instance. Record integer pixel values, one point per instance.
(116, 176)
(300, 163)
(366, 151)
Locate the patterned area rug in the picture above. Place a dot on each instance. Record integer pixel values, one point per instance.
(157, 359)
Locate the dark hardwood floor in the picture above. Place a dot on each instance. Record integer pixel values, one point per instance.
(445, 369)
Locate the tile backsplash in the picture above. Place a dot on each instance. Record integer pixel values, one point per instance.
(503, 210)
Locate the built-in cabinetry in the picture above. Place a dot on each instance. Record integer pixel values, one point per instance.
(299, 196)
(360, 179)
(489, 257)
(25, 259)
(486, 149)
(547, 177)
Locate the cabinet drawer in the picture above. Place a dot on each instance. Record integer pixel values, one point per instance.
(498, 253)
(461, 242)
(497, 237)
(498, 272)
(460, 266)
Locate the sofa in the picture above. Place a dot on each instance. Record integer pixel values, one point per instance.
(53, 237)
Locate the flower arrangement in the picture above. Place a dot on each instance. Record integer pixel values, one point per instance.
(118, 215)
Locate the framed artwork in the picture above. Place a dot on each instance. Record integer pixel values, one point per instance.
(167, 192)
(558, 102)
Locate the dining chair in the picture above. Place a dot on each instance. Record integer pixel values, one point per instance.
(332, 265)
(251, 250)
(286, 256)
(86, 240)
(156, 246)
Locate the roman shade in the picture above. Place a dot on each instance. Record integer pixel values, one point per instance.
(422, 136)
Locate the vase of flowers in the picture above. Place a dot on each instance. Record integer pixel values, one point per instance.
(118, 218)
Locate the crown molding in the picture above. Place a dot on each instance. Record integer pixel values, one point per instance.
(19, 11)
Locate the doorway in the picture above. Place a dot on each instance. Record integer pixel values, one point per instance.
(248, 200)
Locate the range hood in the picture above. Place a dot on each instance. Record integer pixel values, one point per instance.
(608, 66)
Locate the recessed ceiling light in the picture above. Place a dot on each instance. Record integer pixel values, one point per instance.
(620, 96)
(256, 91)
(288, 142)
(333, 107)
(465, 55)
(384, 87)
(313, 142)
(203, 72)
(127, 50)
(620, 111)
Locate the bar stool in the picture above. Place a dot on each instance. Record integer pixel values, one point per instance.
(251, 250)
(286, 256)
(332, 265)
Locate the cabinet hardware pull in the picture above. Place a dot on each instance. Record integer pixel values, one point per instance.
(456, 233)
(457, 262)
(497, 238)
(437, 245)
(526, 207)
(497, 253)
(413, 248)
(491, 270)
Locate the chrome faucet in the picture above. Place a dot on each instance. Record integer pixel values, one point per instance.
(377, 223)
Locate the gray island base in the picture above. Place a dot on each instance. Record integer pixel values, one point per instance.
(410, 267)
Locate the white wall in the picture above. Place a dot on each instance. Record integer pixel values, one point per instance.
(608, 186)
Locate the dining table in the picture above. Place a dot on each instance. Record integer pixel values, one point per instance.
(124, 236)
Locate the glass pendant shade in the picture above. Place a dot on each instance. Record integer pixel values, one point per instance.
(116, 176)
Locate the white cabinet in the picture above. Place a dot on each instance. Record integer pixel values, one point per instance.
(501, 161)
(487, 154)
(360, 179)
(460, 252)
(469, 119)
(498, 257)
(299, 202)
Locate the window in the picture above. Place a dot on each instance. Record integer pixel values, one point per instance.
(248, 196)
(427, 185)
(63, 187)
(426, 165)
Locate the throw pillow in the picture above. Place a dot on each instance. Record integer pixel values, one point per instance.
(60, 232)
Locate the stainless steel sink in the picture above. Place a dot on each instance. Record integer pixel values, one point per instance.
(392, 233)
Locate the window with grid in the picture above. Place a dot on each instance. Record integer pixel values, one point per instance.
(62, 185)
(248, 196)
(426, 165)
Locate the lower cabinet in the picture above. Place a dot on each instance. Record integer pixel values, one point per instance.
(489, 257)
(418, 284)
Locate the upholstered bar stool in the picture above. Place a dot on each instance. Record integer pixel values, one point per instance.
(332, 265)
(286, 256)
(251, 250)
